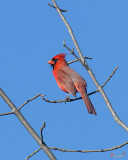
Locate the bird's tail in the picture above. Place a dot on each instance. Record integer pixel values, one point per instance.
(88, 103)
(81, 87)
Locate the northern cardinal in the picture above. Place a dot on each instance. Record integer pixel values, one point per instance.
(69, 81)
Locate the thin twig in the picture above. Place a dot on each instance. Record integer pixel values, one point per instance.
(55, 7)
(3, 114)
(55, 101)
(85, 151)
(71, 100)
(29, 101)
(73, 53)
(84, 63)
(78, 60)
(64, 44)
(41, 131)
(33, 153)
(110, 76)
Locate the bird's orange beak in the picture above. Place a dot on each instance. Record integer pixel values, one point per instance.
(51, 62)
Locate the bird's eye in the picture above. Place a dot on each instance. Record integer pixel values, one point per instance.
(55, 60)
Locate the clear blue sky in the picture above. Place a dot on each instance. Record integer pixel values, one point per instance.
(31, 33)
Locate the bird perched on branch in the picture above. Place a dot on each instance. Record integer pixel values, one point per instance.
(70, 81)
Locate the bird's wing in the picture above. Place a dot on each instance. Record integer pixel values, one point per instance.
(64, 81)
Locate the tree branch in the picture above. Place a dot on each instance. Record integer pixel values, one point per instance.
(110, 76)
(27, 125)
(3, 114)
(41, 131)
(55, 7)
(33, 153)
(84, 63)
(86, 151)
(78, 60)
(29, 101)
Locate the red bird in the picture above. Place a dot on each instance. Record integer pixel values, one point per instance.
(69, 81)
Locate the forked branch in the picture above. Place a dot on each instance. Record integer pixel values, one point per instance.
(82, 151)
(41, 129)
(27, 125)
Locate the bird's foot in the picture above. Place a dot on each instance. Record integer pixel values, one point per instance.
(67, 99)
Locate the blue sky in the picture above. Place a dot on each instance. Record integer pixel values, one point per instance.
(31, 33)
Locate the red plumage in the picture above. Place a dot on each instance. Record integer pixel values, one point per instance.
(70, 81)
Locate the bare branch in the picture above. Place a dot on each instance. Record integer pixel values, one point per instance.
(72, 51)
(27, 125)
(78, 60)
(55, 101)
(64, 44)
(41, 130)
(71, 100)
(55, 7)
(3, 114)
(84, 63)
(33, 153)
(110, 76)
(82, 151)
(29, 101)
(86, 151)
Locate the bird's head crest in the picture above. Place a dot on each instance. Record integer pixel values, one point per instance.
(60, 56)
